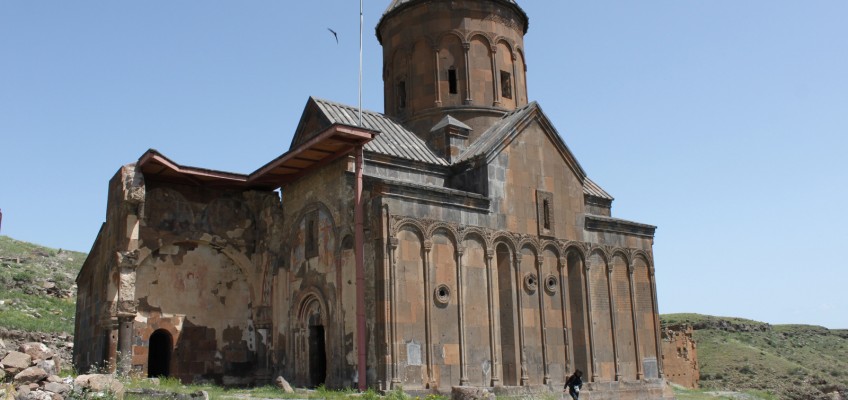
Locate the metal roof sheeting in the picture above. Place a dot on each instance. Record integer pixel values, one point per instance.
(592, 189)
(393, 140)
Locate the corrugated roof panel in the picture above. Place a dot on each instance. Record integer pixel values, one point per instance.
(593, 189)
(393, 140)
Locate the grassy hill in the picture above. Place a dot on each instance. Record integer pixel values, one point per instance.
(788, 361)
(37, 290)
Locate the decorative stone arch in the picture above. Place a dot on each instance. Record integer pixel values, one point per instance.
(448, 230)
(308, 208)
(310, 322)
(487, 38)
(412, 225)
(574, 247)
(645, 256)
(453, 32)
(507, 41)
(504, 238)
(602, 252)
(481, 235)
(621, 253)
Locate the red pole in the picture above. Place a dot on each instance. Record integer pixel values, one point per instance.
(360, 271)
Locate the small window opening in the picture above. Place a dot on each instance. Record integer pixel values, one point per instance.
(401, 93)
(506, 85)
(311, 235)
(452, 80)
(546, 212)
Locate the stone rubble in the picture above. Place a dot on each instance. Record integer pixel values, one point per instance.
(32, 374)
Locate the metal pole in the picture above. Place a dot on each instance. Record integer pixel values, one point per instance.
(361, 23)
(360, 271)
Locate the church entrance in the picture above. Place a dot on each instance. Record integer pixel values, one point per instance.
(312, 347)
(159, 354)
(317, 356)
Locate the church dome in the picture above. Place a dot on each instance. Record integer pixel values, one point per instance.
(458, 58)
(397, 5)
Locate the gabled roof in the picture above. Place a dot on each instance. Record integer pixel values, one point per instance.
(591, 188)
(502, 133)
(394, 140)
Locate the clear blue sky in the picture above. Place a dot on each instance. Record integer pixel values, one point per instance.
(722, 122)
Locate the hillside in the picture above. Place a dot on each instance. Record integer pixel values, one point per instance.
(37, 296)
(789, 361)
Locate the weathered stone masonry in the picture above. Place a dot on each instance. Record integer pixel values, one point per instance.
(489, 257)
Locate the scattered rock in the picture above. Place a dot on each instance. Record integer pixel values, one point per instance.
(470, 393)
(38, 351)
(39, 395)
(100, 383)
(283, 384)
(48, 366)
(15, 362)
(57, 387)
(31, 375)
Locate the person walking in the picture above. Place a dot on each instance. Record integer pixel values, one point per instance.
(574, 383)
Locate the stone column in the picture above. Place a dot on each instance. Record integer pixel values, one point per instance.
(393, 245)
(639, 372)
(438, 82)
(613, 321)
(467, 47)
(656, 321)
(495, 381)
(463, 360)
(523, 356)
(590, 319)
(546, 378)
(496, 77)
(428, 323)
(125, 334)
(111, 329)
(566, 315)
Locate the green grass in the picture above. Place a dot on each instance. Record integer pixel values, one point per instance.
(788, 361)
(48, 314)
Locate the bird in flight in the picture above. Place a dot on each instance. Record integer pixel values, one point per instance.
(336, 35)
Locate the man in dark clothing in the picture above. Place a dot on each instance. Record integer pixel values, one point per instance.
(574, 383)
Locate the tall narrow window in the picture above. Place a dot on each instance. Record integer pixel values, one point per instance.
(506, 85)
(401, 93)
(545, 213)
(311, 235)
(452, 80)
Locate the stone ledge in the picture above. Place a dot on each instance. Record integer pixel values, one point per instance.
(615, 225)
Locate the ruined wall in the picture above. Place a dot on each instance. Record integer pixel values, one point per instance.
(204, 260)
(100, 278)
(680, 356)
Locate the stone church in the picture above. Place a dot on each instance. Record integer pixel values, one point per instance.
(453, 239)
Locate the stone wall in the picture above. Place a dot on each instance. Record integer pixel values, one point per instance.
(680, 356)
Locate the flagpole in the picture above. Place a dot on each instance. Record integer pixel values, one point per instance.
(361, 22)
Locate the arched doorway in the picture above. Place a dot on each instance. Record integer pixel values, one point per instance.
(315, 352)
(159, 354)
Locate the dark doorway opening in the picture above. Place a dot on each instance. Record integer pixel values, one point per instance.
(159, 354)
(317, 356)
